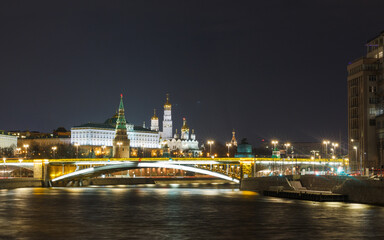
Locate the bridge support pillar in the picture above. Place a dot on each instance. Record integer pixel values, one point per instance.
(41, 171)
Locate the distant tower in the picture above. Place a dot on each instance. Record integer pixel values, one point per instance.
(154, 122)
(193, 136)
(184, 130)
(167, 121)
(121, 141)
(233, 140)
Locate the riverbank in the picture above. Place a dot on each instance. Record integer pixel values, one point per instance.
(20, 183)
(357, 189)
(30, 182)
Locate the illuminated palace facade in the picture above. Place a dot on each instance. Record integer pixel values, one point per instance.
(103, 134)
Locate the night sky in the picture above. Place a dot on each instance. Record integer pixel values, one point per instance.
(268, 69)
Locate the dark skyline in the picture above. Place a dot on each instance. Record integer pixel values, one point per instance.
(273, 69)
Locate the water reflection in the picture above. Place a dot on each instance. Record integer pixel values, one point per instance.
(176, 212)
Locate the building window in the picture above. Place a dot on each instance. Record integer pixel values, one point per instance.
(372, 78)
(372, 122)
(372, 89)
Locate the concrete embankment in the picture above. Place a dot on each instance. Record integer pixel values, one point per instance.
(20, 183)
(358, 190)
(137, 181)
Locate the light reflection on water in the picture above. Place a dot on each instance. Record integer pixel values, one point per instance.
(176, 212)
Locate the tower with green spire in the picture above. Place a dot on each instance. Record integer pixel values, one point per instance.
(121, 141)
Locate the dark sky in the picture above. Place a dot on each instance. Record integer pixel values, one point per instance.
(269, 69)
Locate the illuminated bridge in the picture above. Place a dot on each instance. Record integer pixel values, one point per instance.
(231, 169)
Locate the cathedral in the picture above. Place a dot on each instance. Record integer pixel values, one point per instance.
(183, 145)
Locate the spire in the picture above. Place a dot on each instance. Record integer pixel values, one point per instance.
(233, 140)
(167, 105)
(121, 123)
(154, 115)
(167, 96)
(184, 124)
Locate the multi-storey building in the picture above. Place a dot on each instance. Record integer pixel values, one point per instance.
(7, 140)
(365, 108)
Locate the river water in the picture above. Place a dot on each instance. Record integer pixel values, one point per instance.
(172, 212)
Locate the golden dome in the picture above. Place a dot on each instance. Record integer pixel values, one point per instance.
(154, 117)
(184, 127)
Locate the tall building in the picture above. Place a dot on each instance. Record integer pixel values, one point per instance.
(121, 141)
(233, 140)
(167, 121)
(366, 107)
(154, 122)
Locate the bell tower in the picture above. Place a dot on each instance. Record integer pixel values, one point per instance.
(167, 121)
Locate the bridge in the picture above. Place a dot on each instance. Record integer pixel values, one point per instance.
(231, 169)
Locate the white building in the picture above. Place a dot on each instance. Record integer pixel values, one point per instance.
(96, 134)
(167, 121)
(187, 143)
(154, 122)
(7, 141)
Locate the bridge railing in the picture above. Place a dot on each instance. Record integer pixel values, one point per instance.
(323, 160)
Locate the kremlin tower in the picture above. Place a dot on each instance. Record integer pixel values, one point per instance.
(121, 141)
(233, 140)
(154, 122)
(167, 121)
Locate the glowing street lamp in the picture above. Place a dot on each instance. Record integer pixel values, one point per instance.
(228, 145)
(210, 142)
(54, 148)
(335, 145)
(77, 149)
(355, 148)
(26, 146)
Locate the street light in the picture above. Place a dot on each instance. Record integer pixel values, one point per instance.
(54, 148)
(210, 142)
(77, 149)
(335, 145)
(287, 145)
(228, 145)
(274, 142)
(355, 148)
(26, 146)
(20, 160)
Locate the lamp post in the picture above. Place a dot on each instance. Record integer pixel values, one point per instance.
(77, 149)
(274, 143)
(287, 145)
(26, 146)
(355, 148)
(314, 158)
(4, 159)
(228, 145)
(54, 148)
(335, 145)
(20, 161)
(210, 142)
